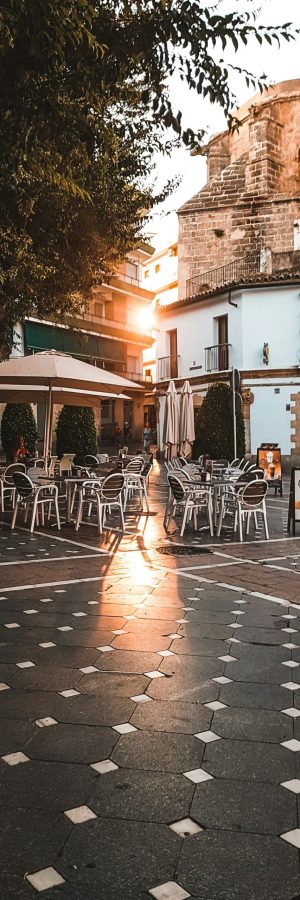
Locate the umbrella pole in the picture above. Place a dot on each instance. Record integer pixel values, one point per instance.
(47, 426)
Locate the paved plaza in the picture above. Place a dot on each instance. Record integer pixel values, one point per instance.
(150, 712)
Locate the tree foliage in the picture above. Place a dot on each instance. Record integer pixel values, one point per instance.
(214, 425)
(76, 432)
(84, 105)
(18, 421)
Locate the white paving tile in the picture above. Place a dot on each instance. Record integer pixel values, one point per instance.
(291, 686)
(120, 631)
(182, 621)
(45, 879)
(106, 649)
(12, 625)
(141, 698)
(240, 601)
(25, 665)
(227, 659)
(290, 646)
(290, 663)
(80, 814)
(207, 736)
(292, 745)
(222, 679)
(30, 612)
(93, 602)
(292, 837)
(185, 827)
(216, 704)
(69, 693)
(47, 644)
(291, 711)
(233, 625)
(87, 670)
(13, 759)
(78, 615)
(293, 785)
(198, 775)
(169, 891)
(290, 630)
(287, 616)
(126, 728)
(175, 637)
(154, 674)
(4, 686)
(237, 612)
(46, 722)
(165, 652)
(65, 628)
(130, 618)
(104, 766)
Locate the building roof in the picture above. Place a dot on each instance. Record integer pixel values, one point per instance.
(262, 279)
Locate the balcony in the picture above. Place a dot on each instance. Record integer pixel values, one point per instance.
(217, 358)
(138, 377)
(167, 367)
(232, 273)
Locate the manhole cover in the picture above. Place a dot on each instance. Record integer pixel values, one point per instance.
(181, 550)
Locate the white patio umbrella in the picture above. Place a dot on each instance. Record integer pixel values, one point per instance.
(51, 371)
(186, 424)
(171, 422)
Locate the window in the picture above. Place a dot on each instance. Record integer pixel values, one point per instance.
(146, 273)
(173, 251)
(131, 270)
(157, 268)
(100, 310)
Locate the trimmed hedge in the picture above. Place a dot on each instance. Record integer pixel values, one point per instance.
(18, 421)
(214, 425)
(76, 432)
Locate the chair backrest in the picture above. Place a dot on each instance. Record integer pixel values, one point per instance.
(24, 485)
(90, 460)
(102, 458)
(235, 463)
(112, 487)
(245, 477)
(35, 473)
(9, 472)
(256, 473)
(53, 461)
(147, 468)
(65, 463)
(253, 493)
(176, 487)
(135, 465)
(90, 487)
(220, 463)
(247, 466)
(182, 461)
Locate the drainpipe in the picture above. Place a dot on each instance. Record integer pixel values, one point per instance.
(230, 301)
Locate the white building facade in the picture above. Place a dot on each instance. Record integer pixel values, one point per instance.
(255, 329)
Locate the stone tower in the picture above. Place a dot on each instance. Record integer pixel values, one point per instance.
(252, 197)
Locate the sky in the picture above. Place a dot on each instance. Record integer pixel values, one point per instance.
(278, 64)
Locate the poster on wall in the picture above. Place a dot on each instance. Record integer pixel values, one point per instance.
(297, 495)
(270, 461)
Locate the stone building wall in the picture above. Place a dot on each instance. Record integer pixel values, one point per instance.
(252, 198)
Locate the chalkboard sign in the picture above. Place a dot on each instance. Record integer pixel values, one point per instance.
(294, 500)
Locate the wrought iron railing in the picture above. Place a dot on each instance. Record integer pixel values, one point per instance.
(232, 272)
(167, 367)
(217, 358)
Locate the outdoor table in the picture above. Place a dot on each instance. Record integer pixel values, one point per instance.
(69, 482)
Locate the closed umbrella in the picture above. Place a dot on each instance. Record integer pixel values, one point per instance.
(171, 422)
(187, 424)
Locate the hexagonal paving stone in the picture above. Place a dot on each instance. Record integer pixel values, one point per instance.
(248, 761)
(158, 752)
(252, 725)
(185, 718)
(147, 796)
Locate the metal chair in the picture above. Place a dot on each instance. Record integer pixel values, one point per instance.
(105, 497)
(134, 482)
(7, 485)
(66, 462)
(88, 494)
(250, 501)
(189, 500)
(91, 461)
(29, 495)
